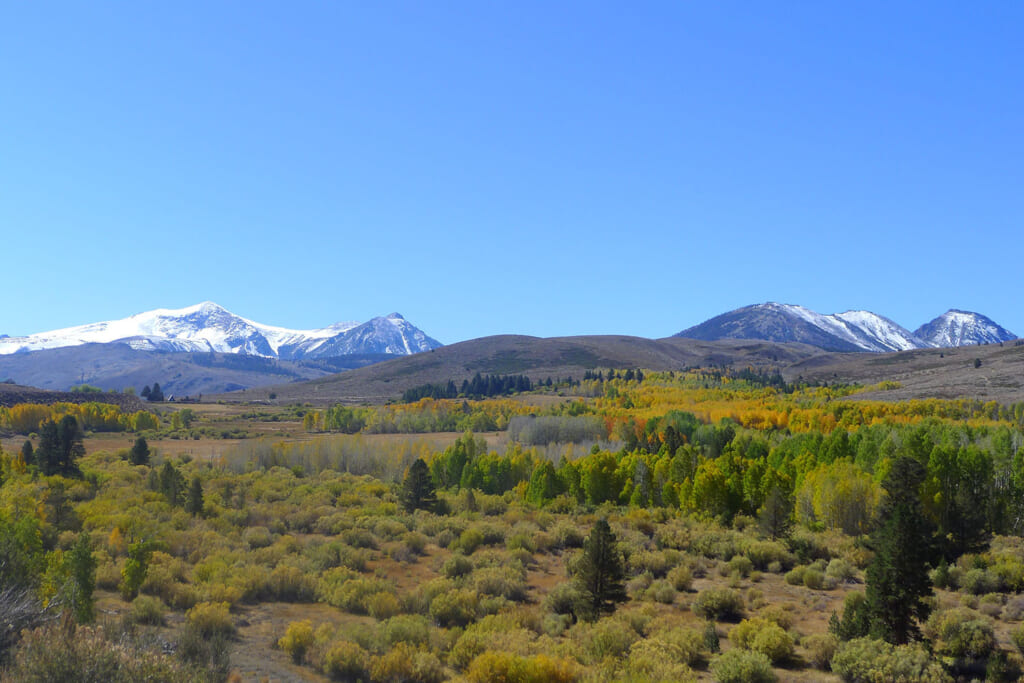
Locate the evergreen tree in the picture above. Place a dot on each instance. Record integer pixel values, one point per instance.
(599, 574)
(140, 452)
(776, 515)
(146, 392)
(81, 568)
(46, 455)
(157, 394)
(71, 447)
(897, 579)
(418, 489)
(172, 484)
(27, 452)
(194, 501)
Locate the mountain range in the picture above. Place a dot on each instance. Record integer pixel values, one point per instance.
(205, 349)
(849, 331)
(207, 328)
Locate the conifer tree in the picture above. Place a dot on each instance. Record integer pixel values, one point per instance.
(194, 501)
(140, 452)
(600, 574)
(418, 489)
(27, 452)
(897, 579)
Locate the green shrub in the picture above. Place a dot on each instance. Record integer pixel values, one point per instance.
(147, 610)
(681, 578)
(763, 554)
(865, 660)
(795, 576)
(841, 570)
(297, 639)
(603, 639)
(720, 604)
(211, 619)
(258, 537)
(382, 605)
(961, 633)
(979, 582)
(821, 648)
(494, 632)
(658, 660)
(766, 637)
(688, 641)
(509, 668)
(661, 591)
(455, 608)
(457, 565)
(742, 666)
(565, 598)
(506, 582)
(412, 629)
(740, 564)
(813, 579)
(346, 661)
(407, 664)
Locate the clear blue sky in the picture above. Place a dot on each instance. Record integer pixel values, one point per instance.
(545, 168)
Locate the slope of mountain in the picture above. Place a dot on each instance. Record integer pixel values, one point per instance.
(849, 331)
(117, 366)
(207, 327)
(962, 328)
(535, 357)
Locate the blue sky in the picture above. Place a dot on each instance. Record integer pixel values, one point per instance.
(495, 167)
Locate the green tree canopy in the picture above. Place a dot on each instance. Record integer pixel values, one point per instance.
(600, 574)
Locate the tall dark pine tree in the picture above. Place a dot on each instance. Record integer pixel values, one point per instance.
(897, 579)
(139, 454)
(418, 489)
(60, 446)
(194, 500)
(600, 573)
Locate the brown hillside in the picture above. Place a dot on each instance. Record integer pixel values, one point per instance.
(532, 356)
(926, 373)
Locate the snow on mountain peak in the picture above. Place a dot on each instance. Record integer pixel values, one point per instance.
(207, 326)
(963, 328)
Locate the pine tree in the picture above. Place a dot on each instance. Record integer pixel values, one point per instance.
(418, 489)
(172, 484)
(140, 452)
(27, 452)
(776, 515)
(46, 455)
(146, 392)
(599, 574)
(194, 501)
(897, 579)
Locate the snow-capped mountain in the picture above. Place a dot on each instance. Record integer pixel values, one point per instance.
(849, 331)
(207, 327)
(962, 328)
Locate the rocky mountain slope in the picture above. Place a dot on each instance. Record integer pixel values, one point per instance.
(962, 328)
(849, 331)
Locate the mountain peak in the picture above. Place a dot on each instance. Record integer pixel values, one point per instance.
(956, 327)
(853, 330)
(208, 326)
